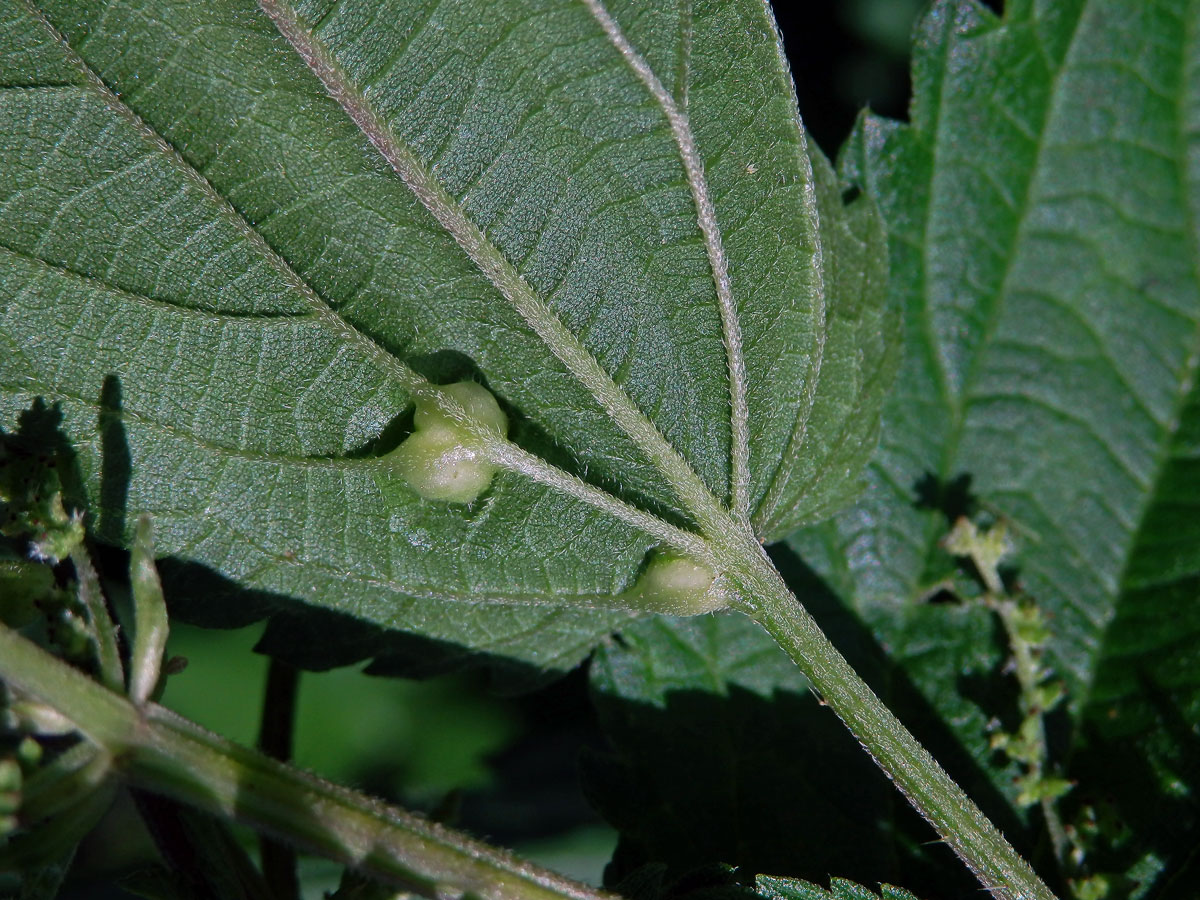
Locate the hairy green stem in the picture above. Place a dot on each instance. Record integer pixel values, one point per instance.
(100, 623)
(159, 751)
(762, 594)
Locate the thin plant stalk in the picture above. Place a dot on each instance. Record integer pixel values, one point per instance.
(760, 592)
(275, 740)
(159, 751)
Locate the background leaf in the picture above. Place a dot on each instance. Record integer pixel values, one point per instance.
(720, 755)
(839, 889)
(1042, 211)
(214, 277)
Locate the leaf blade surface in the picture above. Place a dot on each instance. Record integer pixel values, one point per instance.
(248, 195)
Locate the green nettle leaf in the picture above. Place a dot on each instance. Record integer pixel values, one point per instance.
(1042, 208)
(839, 889)
(239, 243)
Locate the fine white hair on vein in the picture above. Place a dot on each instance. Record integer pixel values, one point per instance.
(706, 217)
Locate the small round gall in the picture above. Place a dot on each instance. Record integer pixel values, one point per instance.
(678, 586)
(437, 460)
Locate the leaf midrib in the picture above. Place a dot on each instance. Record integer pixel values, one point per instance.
(497, 449)
(706, 220)
(958, 404)
(712, 517)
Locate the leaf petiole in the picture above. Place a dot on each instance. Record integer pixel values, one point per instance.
(761, 593)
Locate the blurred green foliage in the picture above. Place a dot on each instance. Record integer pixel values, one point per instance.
(413, 741)
(847, 54)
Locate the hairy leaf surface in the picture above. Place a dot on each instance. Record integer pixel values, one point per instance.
(237, 240)
(839, 889)
(1042, 209)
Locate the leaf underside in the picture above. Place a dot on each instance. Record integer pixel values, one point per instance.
(212, 264)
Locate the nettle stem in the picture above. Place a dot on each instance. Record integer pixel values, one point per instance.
(762, 595)
(155, 749)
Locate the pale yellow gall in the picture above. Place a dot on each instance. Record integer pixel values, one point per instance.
(437, 460)
(678, 586)
(477, 402)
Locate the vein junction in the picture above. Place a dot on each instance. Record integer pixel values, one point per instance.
(490, 444)
(709, 513)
